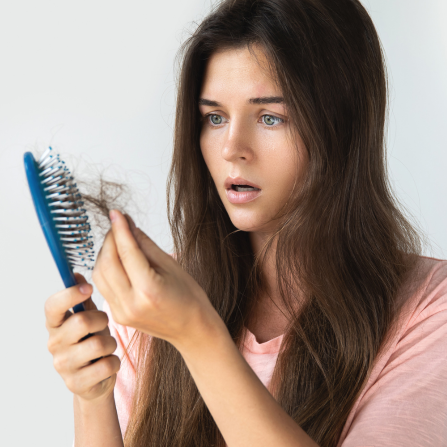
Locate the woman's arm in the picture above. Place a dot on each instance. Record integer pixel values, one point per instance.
(148, 290)
(96, 423)
(242, 407)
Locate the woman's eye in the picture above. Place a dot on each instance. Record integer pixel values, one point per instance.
(215, 119)
(270, 120)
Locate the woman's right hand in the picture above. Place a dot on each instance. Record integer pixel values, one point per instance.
(72, 356)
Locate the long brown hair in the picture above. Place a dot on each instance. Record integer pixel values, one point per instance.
(343, 246)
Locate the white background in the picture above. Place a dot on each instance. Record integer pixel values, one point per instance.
(95, 79)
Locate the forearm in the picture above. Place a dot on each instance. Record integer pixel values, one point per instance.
(96, 424)
(243, 409)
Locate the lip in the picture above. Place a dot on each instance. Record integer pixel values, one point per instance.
(238, 181)
(240, 197)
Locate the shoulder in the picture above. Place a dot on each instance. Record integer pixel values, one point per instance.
(426, 324)
(423, 322)
(403, 402)
(429, 289)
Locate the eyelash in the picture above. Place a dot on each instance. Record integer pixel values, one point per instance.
(207, 118)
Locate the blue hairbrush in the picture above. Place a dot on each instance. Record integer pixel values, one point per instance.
(58, 206)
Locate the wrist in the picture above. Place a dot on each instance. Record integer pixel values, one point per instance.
(91, 405)
(207, 328)
(96, 422)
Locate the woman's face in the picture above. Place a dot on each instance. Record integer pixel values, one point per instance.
(245, 139)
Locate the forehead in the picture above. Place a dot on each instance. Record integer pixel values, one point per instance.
(238, 71)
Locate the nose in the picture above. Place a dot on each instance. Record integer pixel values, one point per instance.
(237, 146)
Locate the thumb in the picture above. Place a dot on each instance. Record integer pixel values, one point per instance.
(88, 303)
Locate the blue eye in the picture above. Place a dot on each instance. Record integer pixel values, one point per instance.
(270, 120)
(215, 119)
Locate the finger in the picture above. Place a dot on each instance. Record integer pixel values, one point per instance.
(158, 258)
(132, 225)
(82, 353)
(80, 279)
(57, 306)
(81, 324)
(70, 359)
(88, 303)
(109, 274)
(92, 375)
(152, 252)
(133, 259)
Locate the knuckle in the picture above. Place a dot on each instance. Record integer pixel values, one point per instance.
(81, 322)
(111, 365)
(132, 313)
(158, 283)
(116, 363)
(149, 291)
(105, 319)
(121, 317)
(52, 344)
(110, 345)
(97, 344)
(113, 344)
(71, 383)
(151, 299)
(59, 363)
(76, 383)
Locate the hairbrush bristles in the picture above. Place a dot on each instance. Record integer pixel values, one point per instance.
(71, 221)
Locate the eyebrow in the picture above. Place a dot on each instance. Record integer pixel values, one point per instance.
(261, 100)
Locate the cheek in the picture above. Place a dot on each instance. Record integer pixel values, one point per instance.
(285, 170)
(210, 153)
(284, 182)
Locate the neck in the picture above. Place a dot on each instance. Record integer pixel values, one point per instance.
(258, 241)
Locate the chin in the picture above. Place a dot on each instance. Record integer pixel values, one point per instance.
(248, 223)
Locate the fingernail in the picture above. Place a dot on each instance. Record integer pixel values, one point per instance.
(113, 215)
(85, 289)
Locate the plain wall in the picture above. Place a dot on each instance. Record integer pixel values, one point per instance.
(95, 79)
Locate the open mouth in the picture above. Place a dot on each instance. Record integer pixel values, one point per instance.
(244, 188)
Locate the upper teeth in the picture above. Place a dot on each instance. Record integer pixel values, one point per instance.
(240, 188)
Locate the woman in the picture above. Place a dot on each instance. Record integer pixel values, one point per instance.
(298, 310)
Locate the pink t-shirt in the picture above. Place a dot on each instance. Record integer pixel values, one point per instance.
(405, 400)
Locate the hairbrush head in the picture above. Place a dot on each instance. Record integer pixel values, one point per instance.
(59, 208)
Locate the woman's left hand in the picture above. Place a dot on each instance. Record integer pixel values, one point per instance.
(148, 290)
